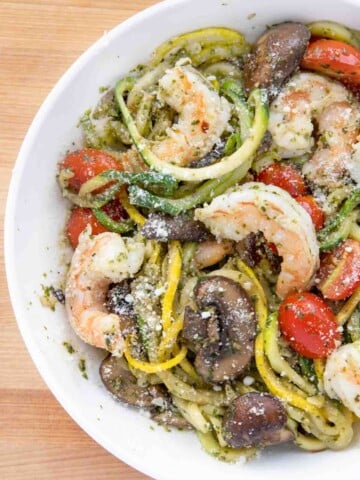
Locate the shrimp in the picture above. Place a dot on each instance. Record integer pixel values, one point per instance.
(342, 376)
(309, 97)
(203, 116)
(97, 262)
(255, 207)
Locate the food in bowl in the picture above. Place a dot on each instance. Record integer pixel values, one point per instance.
(216, 245)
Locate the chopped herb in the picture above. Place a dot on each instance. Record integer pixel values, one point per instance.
(69, 347)
(82, 368)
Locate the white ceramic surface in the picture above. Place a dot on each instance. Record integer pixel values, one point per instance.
(35, 215)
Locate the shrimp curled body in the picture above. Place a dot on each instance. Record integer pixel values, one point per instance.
(97, 262)
(306, 98)
(202, 116)
(255, 207)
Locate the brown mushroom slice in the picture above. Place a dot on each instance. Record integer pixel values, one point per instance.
(255, 420)
(211, 252)
(171, 419)
(119, 301)
(253, 248)
(163, 227)
(118, 379)
(276, 55)
(249, 249)
(194, 330)
(228, 350)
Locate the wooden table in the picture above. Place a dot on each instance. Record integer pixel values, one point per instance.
(39, 40)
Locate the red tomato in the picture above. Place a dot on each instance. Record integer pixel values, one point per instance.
(88, 163)
(333, 58)
(285, 177)
(339, 272)
(317, 215)
(80, 218)
(115, 210)
(309, 325)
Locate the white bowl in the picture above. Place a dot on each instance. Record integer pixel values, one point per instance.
(36, 213)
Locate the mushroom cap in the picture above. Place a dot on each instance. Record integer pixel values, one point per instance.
(118, 379)
(255, 419)
(276, 55)
(163, 227)
(226, 347)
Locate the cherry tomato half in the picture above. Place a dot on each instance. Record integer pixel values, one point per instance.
(88, 163)
(317, 215)
(333, 58)
(80, 218)
(339, 272)
(309, 325)
(285, 177)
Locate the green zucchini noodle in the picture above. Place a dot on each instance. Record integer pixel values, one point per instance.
(177, 338)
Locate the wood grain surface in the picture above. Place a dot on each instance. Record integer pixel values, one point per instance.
(39, 40)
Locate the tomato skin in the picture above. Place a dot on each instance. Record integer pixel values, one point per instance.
(285, 177)
(115, 210)
(333, 58)
(317, 215)
(309, 325)
(87, 163)
(339, 272)
(80, 218)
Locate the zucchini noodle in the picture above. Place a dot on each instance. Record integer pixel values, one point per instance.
(348, 308)
(277, 362)
(199, 41)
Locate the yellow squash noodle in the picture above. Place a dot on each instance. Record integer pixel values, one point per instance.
(148, 367)
(133, 212)
(173, 278)
(170, 337)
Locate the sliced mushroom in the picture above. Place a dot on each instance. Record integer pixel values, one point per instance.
(182, 227)
(265, 144)
(171, 419)
(229, 344)
(119, 301)
(211, 252)
(276, 55)
(216, 153)
(194, 330)
(118, 379)
(255, 419)
(253, 248)
(249, 250)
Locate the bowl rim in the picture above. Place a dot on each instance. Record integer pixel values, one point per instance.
(10, 231)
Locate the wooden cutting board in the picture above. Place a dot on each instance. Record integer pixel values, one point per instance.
(39, 40)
